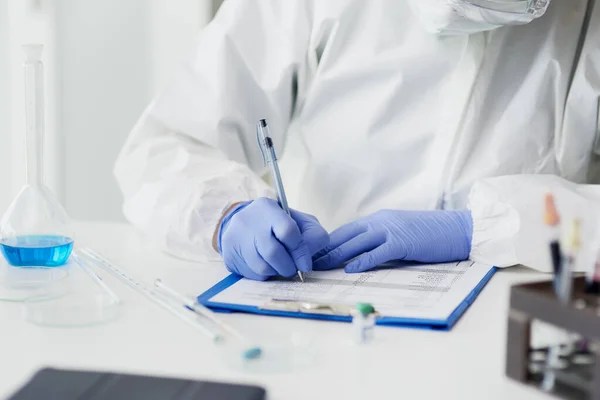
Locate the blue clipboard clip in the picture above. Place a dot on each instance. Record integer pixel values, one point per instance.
(307, 307)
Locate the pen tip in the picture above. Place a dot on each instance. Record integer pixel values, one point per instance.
(551, 217)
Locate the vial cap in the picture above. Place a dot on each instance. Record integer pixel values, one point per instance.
(365, 308)
(551, 217)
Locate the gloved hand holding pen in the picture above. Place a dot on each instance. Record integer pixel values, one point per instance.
(389, 235)
(258, 240)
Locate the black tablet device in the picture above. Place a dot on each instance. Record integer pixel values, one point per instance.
(59, 384)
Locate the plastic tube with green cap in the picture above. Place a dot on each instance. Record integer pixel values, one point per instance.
(363, 322)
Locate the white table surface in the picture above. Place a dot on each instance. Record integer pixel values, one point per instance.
(465, 363)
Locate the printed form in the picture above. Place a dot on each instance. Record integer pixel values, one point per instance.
(417, 291)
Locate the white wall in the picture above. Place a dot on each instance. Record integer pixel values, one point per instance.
(5, 180)
(104, 78)
(114, 55)
(104, 61)
(174, 31)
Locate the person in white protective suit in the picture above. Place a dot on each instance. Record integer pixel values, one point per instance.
(419, 130)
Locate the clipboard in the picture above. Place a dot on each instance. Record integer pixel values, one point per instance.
(334, 312)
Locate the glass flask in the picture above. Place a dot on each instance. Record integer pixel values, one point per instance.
(35, 231)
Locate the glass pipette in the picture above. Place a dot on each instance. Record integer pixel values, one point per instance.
(249, 353)
(86, 268)
(141, 288)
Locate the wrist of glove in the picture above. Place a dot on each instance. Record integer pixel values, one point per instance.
(389, 235)
(257, 240)
(225, 220)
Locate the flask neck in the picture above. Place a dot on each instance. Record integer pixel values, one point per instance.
(34, 121)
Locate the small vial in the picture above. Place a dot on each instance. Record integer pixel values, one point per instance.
(363, 322)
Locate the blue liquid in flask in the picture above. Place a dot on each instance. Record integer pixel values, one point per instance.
(37, 250)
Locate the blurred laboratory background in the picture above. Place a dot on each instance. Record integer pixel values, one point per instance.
(104, 60)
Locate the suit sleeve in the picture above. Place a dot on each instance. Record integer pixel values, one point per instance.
(193, 152)
(508, 211)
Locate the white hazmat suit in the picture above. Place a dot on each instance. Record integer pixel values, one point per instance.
(369, 110)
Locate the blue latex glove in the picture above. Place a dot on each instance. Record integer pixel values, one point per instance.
(387, 235)
(258, 240)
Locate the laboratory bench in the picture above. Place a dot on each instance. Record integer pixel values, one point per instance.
(467, 362)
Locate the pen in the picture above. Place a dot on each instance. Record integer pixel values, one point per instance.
(572, 250)
(265, 143)
(563, 269)
(563, 292)
(552, 220)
